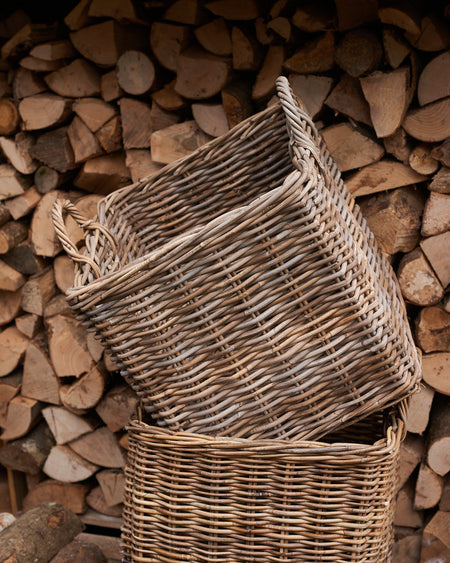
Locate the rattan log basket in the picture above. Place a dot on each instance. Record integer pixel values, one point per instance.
(241, 290)
(191, 497)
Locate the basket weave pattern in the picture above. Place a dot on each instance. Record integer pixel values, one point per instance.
(191, 497)
(242, 291)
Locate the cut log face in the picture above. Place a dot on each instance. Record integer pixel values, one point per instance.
(136, 123)
(117, 407)
(39, 380)
(419, 409)
(312, 90)
(96, 500)
(380, 87)
(28, 454)
(135, 73)
(12, 349)
(435, 249)
(65, 425)
(436, 541)
(214, 37)
(44, 110)
(211, 118)
(94, 112)
(436, 371)
(85, 393)
(168, 41)
(347, 98)
(433, 84)
(418, 283)
(200, 74)
(428, 488)
(315, 57)
(406, 514)
(438, 454)
(22, 415)
(430, 123)
(9, 116)
(436, 215)
(63, 464)
(411, 452)
(103, 174)
(99, 447)
(176, 141)
(112, 483)
(359, 52)
(264, 85)
(11, 182)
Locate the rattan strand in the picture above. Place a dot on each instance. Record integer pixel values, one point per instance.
(247, 296)
(191, 497)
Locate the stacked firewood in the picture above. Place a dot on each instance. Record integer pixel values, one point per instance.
(117, 90)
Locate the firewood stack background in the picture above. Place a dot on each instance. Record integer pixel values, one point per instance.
(106, 92)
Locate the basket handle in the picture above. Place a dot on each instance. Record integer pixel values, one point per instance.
(61, 207)
(296, 117)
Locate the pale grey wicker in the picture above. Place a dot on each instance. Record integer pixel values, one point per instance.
(241, 290)
(190, 497)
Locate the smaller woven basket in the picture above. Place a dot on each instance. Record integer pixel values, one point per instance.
(191, 497)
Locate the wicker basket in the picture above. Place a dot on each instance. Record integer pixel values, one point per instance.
(241, 290)
(191, 497)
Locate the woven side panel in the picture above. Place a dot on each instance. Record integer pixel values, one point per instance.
(189, 499)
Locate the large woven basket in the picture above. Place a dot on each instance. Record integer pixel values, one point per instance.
(241, 290)
(191, 497)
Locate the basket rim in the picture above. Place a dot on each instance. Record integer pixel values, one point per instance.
(393, 434)
(293, 181)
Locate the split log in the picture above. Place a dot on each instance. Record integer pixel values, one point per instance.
(383, 175)
(432, 83)
(350, 146)
(347, 98)
(42, 234)
(110, 135)
(85, 393)
(67, 426)
(94, 112)
(395, 218)
(12, 349)
(176, 141)
(136, 123)
(53, 148)
(39, 380)
(396, 48)
(112, 483)
(315, 57)
(84, 143)
(433, 329)
(23, 258)
(78, 17)
(70, 495)
(438, 454)
(27, 83)
(436, 371)
(96, 500)
(39, 65)
(4, 214)
(87, 206)
(47, 179)
(104, 42)
(236, 101)
(419, 409)
(140, 164)
(28, 454)
(402, 15)
(314, 16)
(120, 10)
(10, 279)
(168, 40)
(57, 306)
(67, 345)
(168, 99)
(10, 302)
(39, 534)
(405, 513)
(311, 91)
(30, 34)
(29, 324)
(161, 118)
(11, 234)
(441, 181)
(22, 415)
(43, 111)
(109, 86)
(11, 182)
(388, 98)
(214, 36)
(23, 205)
(421, 161)
(435, 249)
(359, 52)
(442, 153)
(445, 498)
(282, 27)
(352, 13)
(103, 174)
(436, 215)
(54, 50)
(99, 447)
(9, 116)
(18, 152)
(407, 549)
(9, 388)
(94, 345)
(200, 74)
(63, 464)
(135, 72)
(436, 539)
(430, 123)
(434, 34)
(263, 34)
(418, 283)
(264, 85)
(429, 487)
(411, 452)
(117, 406)
(37, 291)
(211, 118)
(246, 51)
(80, 551)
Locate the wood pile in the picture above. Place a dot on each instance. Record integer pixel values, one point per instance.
(116, 90)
